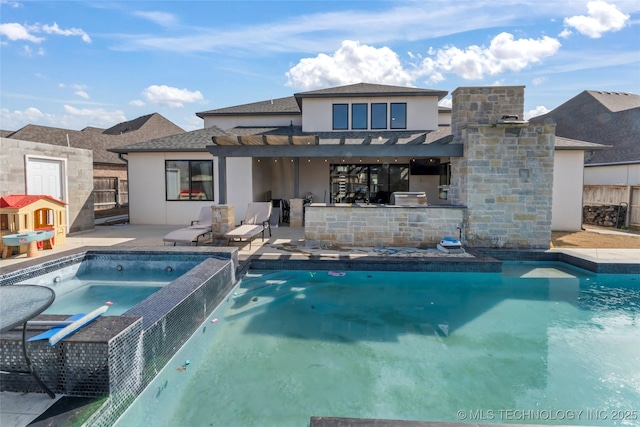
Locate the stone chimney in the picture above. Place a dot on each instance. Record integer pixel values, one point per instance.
(505, 178)
(484, 105)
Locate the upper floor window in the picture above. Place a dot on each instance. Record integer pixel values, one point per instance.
(378, 116)
(358, 116)
(340, 116)
(398, 115)
(189, 179)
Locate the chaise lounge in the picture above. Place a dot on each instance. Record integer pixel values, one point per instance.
(190, 235)
(256, 221)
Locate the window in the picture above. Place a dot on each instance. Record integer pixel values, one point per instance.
(378, 116)
(445, 174)
(340, 116)
(360, 183)
(358, 116)
(398, 115)
(189, 179)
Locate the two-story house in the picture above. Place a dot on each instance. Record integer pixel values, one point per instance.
(487, 175)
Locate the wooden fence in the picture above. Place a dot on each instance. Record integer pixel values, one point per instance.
(110, 193)
(627, 196)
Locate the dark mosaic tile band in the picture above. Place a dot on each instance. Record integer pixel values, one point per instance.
(117, 356)
(541, 255)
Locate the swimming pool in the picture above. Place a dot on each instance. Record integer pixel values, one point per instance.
(541, 343)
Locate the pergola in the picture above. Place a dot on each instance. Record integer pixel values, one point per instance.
(291, 142)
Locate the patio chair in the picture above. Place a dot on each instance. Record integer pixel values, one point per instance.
(190, 235)
(256, 221)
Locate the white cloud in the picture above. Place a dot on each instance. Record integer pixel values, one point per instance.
(14, 31)
(137, 103)
(602, 17)
(446, 102)
(14, 4)
(352, 63)
(160, 18)
(95, 117)
(539, 80)
(503, 54)
(565, 33)
(355, 62)
(538, 111)
(14, 120)
(170, 96)
(73, 119)
(82, 94)
(55, 29)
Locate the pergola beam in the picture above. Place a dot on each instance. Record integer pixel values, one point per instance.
(338, 150)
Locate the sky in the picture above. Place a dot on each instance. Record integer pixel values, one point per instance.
(98, 63)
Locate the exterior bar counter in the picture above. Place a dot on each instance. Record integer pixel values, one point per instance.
(343, 224)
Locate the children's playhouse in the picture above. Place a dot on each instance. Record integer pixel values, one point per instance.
(30, 223)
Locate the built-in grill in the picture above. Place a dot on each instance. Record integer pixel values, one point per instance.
(409, 198)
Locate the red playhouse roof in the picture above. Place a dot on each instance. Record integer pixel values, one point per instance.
(18, 201)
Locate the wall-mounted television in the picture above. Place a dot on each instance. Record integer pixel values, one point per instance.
(428, 166)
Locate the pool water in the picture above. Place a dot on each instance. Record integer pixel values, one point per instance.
(120, 296)
(87, 290)
(537, 344)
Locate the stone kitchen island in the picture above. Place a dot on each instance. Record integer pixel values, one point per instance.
(375, 225)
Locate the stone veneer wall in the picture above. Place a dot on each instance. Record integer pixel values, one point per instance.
(380, 226)
(79, 176)
(506, 175)
(223, 220)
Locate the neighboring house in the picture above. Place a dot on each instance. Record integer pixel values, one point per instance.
(109, 171)
(487, 175)
(611, 176)
(71, 165)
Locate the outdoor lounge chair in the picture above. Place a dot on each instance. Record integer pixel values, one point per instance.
(189, 235)
(256, 221)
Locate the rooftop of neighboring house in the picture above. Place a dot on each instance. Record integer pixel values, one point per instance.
(98, 140)
(608, 118)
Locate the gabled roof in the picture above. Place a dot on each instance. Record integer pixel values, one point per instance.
(195, 140)
(607, 118)
(99, 140)
(18, 201)
(369, 89)
(130, 126)
(277, 106)
(292, 104)
(574, 144)
(616, 101)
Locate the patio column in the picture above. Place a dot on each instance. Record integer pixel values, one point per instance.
(222, 180)
(296, 177)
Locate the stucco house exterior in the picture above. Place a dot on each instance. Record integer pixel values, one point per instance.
(611, 176)
(487, 175)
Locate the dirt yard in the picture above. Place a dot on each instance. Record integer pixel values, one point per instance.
(591, 238)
